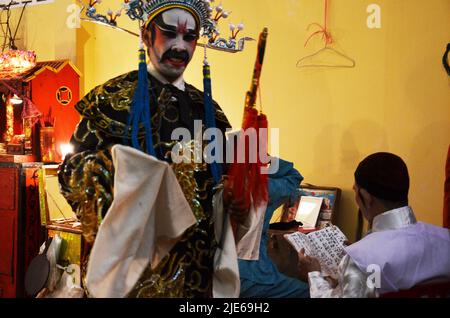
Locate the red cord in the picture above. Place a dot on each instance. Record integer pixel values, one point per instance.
(323, 29)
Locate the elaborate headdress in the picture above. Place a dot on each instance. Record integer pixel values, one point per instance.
(144, 11)
(206, 14)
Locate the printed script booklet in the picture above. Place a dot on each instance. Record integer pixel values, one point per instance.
(327, 245)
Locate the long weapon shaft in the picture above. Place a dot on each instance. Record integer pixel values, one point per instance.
(250, 100)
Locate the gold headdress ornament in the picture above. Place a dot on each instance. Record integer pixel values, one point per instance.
(207, 17)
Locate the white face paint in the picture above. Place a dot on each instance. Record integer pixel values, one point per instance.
(174, 44)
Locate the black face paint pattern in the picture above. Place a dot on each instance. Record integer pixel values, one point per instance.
(170, 30)
(183, 55)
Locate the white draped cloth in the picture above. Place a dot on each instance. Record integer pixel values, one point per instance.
(404, 252)
(226, 281)
(249, 233)
(148, 216)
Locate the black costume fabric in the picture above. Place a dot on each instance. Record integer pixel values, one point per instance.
(86, 177)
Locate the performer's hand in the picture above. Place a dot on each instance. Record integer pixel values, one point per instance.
(307, 264)
(237, 209)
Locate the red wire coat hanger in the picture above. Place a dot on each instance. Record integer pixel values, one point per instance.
(328, 39)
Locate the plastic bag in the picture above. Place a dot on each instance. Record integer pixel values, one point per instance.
(53, 256)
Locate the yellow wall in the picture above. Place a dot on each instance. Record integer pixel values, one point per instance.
(397, 98)
(43, 29)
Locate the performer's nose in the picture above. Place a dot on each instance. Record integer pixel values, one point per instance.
(180, 44)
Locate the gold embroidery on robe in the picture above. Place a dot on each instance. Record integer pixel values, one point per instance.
(86, 180)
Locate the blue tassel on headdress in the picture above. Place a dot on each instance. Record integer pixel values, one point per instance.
(140, 108)
(210, 117)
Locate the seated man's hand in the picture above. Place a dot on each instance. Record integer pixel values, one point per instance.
(237, 208)
(307, 264)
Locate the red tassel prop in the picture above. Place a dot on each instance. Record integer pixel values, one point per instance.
(248, 183)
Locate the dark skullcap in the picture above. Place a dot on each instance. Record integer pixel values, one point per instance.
(384, 175)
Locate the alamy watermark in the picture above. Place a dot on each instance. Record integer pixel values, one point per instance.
(210, 145)
(374, 277)
(374, 19)
(73, 20)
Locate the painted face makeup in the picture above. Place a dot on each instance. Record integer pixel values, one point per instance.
(175, 37)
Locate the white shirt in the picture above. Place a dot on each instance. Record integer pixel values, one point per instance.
(352, 281)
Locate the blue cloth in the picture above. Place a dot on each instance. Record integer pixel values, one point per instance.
(261, 278)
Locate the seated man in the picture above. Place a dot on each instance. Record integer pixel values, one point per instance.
(398, 252)
(261, 278)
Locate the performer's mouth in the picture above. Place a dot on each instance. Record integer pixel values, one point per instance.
(176, 62)
(176, 58)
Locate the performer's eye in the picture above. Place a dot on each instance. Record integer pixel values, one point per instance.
(190, 37)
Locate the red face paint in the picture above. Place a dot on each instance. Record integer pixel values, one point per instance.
(182, 27)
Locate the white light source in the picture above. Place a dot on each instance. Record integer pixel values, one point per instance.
(15, 100)
(65, 149)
